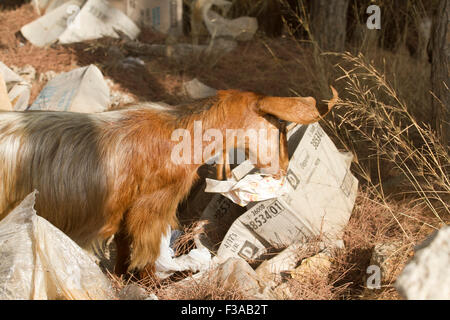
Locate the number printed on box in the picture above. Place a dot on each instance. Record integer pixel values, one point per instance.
(262, 217)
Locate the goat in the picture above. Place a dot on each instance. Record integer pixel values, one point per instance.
(112, 173)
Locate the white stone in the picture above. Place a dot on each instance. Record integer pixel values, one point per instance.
(427, 275)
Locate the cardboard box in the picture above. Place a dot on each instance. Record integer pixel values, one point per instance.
(161, 15)
(320, 200)
(80, 90)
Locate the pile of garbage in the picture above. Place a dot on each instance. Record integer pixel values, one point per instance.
(250, 217)
(71, 21)
(315, 199)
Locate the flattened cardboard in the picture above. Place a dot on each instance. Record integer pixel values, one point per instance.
(320, 201)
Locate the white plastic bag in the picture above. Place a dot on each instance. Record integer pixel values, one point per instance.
(242, 28)
(38, 261)
(196, 260)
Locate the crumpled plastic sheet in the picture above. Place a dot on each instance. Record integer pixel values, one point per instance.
(38, 261)
(253, 187)
(198, 259)
(242, 28)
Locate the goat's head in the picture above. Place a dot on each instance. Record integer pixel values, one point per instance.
(262, 125)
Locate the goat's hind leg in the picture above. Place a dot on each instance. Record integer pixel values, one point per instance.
(146, 222)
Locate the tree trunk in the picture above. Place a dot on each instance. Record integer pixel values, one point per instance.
(329, 23)
(439, 70)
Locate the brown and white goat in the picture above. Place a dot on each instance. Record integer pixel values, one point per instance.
(112, 173)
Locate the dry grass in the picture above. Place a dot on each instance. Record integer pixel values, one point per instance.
(206, 287)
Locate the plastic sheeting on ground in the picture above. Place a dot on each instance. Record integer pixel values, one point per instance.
(38, 261)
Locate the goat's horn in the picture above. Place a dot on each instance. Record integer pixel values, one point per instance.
(301, 110)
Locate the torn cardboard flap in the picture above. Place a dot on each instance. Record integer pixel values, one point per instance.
(319, 200)
(18, 90)
(5, 103)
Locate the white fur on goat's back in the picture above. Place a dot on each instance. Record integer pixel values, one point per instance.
(54, 152)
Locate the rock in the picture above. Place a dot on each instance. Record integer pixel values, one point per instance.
(134, 292)
(197, 90)
(27, 72)
(286, 261)
(318, 264)
(282, 292)
(119, 98)
(388, 257)
(47, 76)
(427, 275)
(270, 270)
(237, 273)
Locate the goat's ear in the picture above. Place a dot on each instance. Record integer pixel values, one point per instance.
(301, 110)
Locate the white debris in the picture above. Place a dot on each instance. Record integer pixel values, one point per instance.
(134, 292)
(242, 28)
(427, 275)
(47, 76)
(98, 19)
(46, 29)
(253, 187)
(195, 89)
(18, 88)
(44, 6)
(198, 259)
(80, 90)
(38, 261)
(75, 21)
(5, 103)
(163, 16)
(236, 273)
(388, 257)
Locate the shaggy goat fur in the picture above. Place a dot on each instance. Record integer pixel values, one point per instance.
(111, 173)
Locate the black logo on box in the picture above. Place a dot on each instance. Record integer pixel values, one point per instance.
(347, 184)
(248, 250)
(292, 179)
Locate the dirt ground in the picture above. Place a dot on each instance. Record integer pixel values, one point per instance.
(279, 67)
